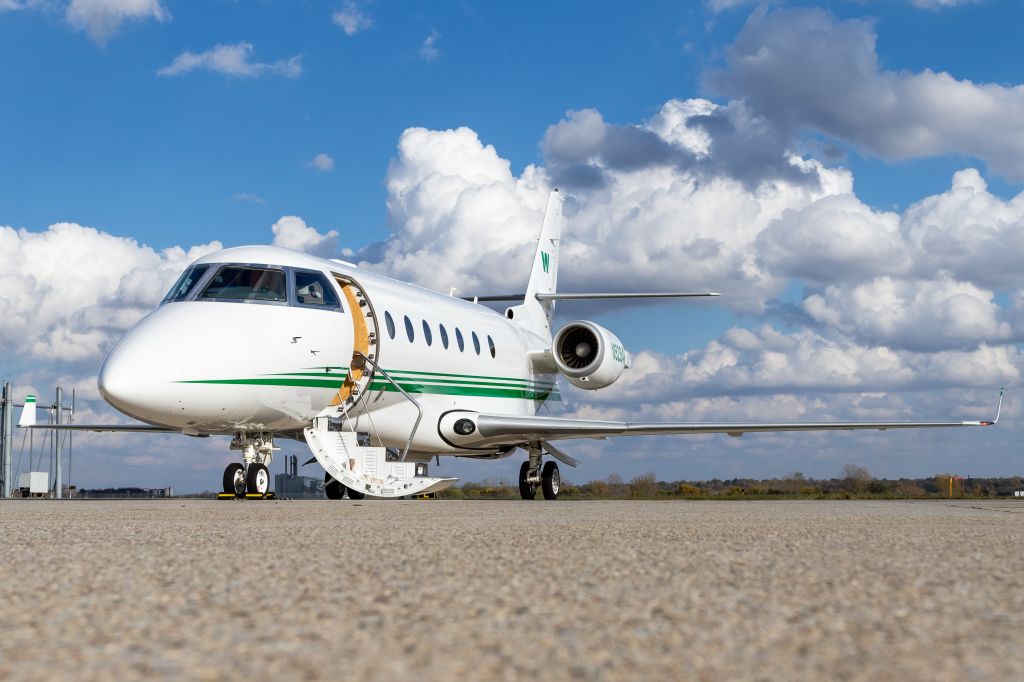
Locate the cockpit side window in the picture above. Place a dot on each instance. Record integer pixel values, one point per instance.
(242, 283)
(186, 283)
(312, 288)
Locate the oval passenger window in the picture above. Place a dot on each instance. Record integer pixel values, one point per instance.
(427, 336)
(490, 345)
(458, 340)
(444, 335)
(409, 330)
(476, 343)
(390, 324)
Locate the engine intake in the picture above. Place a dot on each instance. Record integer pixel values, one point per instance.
(588, 355)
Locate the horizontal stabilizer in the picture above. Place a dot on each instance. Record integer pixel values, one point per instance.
(588, 297)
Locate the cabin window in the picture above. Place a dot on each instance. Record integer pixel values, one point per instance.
(390, 322)
(458, 340)
(186, 283)
(476, 343)
(490, 346)
(312, 288)
(427, 336)
(239, 283)
(444, 335)
(409, 330)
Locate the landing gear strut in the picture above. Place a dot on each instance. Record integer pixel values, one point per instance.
(527, 488)
(251, 476)
(531, 474)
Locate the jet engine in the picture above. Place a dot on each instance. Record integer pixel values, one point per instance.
(588, 355)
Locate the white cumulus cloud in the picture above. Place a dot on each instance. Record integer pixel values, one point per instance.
(921, 315)
(231, 60)
(322, 162)
(429, 51)
(292, 232)
(942, 4)
(461, 218)
(101, 19)
(70, 291)
(805, 70)
(351, 19)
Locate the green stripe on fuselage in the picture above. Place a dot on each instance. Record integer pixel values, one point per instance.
(476, 391)
(422, 383)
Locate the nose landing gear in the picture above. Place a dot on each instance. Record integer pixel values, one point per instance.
(251, 476)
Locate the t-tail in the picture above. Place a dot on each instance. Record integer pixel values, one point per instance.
(536, 312)
(538, 303)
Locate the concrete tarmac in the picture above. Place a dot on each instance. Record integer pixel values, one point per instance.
(432, 590)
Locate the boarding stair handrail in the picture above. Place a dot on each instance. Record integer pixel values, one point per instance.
(408, 397)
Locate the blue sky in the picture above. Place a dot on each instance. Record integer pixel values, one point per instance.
(99, 128)
(92, 135)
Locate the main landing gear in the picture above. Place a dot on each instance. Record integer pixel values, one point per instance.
(531, 475)
(251, 476)
(336, 490)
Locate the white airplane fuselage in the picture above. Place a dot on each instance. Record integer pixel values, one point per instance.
(261, 342)
(208, 366)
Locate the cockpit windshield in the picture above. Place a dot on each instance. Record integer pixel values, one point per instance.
(186, 283)
(235, 282)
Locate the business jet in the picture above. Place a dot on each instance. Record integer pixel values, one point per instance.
(378, 377)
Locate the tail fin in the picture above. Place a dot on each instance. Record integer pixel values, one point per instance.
(544, 276)
(28, 413)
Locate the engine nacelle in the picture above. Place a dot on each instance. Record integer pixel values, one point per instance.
(588, 355)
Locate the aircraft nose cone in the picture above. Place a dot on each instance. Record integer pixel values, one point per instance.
(122, 383)
(134, 381)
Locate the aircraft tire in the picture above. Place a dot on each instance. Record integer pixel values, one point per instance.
(355, 494)
(234, 479)
(257, 479)
(333, 487)
(527, 490)
(551, 481)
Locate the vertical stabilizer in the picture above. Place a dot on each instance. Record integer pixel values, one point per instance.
(544, 276)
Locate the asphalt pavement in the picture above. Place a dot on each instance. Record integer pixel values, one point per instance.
(427, 590)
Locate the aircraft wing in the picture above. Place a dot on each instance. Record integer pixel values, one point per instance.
(496, 427)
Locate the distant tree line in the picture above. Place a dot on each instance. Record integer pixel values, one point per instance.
(853, 482)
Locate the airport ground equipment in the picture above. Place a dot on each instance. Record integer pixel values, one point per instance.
(34, 483)
(58, 445)
(63, 417)
(5, 440)
(247, 496)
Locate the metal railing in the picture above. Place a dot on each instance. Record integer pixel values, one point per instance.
(408, 397)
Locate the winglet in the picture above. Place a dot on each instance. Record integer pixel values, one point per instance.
(999, 409)
(28, 413)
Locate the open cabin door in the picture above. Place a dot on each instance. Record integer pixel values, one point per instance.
(366, 342)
